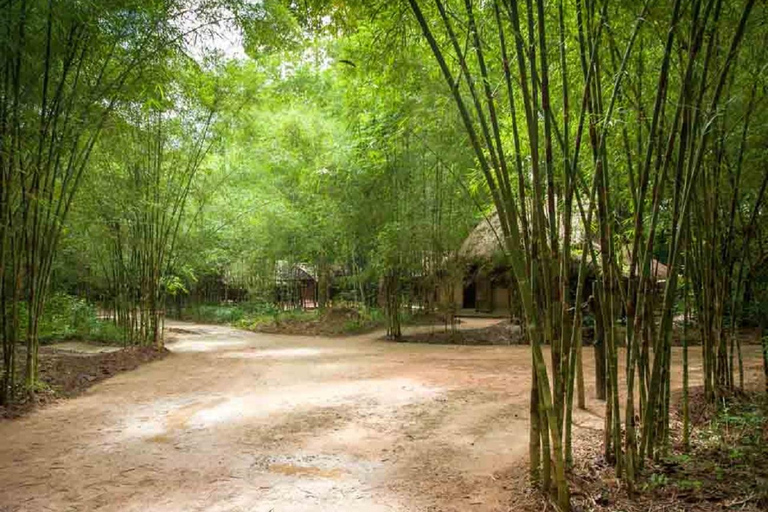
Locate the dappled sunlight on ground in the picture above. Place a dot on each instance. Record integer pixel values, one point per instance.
(164, 417)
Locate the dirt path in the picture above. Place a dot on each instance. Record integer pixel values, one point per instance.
(237, 421)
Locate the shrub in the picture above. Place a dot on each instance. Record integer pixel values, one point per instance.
(67, 317)
(228, 313)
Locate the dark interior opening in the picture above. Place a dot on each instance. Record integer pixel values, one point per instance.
(470, 295)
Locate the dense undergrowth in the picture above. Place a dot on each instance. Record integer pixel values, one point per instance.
(724, 467)
(234, 313)
(728, 455)
(67, 317)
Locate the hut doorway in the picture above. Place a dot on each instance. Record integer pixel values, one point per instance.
(470, 295)
(469, 300)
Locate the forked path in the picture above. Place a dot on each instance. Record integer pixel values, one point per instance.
(237, 421)
(234, 420)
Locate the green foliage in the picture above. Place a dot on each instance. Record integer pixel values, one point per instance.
(277, 319)
(317, 169)
(367, 319)
(756, 308)
(739, 425)
(67, 317)
(230, 314)
(656, 481)
(689, 485)
(342, 319)
(728, 454)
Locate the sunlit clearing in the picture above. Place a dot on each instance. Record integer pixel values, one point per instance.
(198, 345)
(278, 353)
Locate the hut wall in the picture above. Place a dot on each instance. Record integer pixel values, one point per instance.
(458, 296)
(309, 293)
(501, 298)
(484, 297)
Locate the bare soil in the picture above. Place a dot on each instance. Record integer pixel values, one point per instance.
(240, 421)
(339, 321)
(68, 369)
(499, 332)
(331, 322)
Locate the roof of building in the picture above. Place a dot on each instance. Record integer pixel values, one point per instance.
(484, 242)
(286, 271)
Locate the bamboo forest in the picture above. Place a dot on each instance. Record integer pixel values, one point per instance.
(383, 255)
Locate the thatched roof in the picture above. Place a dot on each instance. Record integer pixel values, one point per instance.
(286, 271)
(485, 243)
(659, 271)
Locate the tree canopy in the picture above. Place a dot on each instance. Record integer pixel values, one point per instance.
(155, 155)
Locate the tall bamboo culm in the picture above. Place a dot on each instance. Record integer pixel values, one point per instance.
(547, 192)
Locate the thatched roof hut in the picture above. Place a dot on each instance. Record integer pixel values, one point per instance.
(485, 243)
(287, 272)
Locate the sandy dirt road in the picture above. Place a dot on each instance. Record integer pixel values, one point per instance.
(238, 421)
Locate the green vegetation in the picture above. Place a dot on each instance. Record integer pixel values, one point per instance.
(322, 179)
(728, 456)
(229, 314)
(73, 318)
(264, 316)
